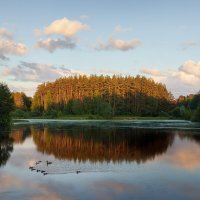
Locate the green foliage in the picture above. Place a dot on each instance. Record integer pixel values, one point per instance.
(99, 107)
(188, 114)
(187, 107)
(6, 105)
(18, 113)
(103, 96)
(164, 114)
(92, 107)
(195, 101)
(77, 107)
(185, 113)
(67, 110)
(105, 110)
(51, 113)
(196, 116)
(176, 112)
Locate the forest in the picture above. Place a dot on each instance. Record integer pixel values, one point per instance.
(105, 97)
(99, 96)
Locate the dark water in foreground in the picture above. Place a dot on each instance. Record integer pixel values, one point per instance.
(116, 161)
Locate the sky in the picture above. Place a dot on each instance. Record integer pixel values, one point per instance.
(44, 40)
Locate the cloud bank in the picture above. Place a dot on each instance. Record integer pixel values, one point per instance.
(52, 44)
(117, 44)
(65, 28)
(5, 33)
(185, 80)
(153, 72)
(9, 47)
(38, 72)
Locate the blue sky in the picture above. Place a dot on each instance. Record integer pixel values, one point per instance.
(43, 40)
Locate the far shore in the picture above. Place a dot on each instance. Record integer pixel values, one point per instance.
(141, 123)
(91, 118)
(133, 120)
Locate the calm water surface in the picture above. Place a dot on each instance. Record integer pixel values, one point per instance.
(121, 160)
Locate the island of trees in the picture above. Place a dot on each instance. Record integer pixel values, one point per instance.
(100, 97)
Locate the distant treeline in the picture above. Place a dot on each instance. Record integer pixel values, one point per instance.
(187, 107)
(106, 97)
(103, 95)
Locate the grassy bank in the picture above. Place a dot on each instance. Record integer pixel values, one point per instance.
(92, 117)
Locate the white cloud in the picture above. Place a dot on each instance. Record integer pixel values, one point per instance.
(188, 79)
(52, 44)
(191, 68)
(8, 46)
(4, 33)
(153, 72)
(117, 44)
(11, 47)
(185, 80)
(37, 72)
(28, 89)
(2, 57)
(64, 27)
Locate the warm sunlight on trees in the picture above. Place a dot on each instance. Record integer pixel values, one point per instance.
(21, 101)
(103, 96)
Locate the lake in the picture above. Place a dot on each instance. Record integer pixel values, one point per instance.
(103, 160)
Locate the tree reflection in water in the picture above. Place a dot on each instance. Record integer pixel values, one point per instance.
(95, 143)
(6, 146)
(193, 135)
(101, 144)
(20, 133)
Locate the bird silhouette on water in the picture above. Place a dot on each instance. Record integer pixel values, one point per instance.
(38, 162)
(48, 162)
(32, 168)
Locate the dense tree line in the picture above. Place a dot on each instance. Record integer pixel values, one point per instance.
(102, 95)
(22, 105)
(99, 96)
(21, 101)
(6, 105)
(187, 107)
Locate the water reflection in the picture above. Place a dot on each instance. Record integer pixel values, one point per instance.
(185, 152)
(96, 143)
(101, 150)
(192, 135)
(99, 144)
(6, 146)
(20, 133)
